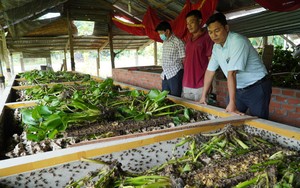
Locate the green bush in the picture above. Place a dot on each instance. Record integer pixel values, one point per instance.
(285, 69)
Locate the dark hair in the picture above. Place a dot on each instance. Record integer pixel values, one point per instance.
(195, 13)
(163, 26)
(218, 17)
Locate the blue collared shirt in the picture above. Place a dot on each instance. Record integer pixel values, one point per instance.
(239, 55)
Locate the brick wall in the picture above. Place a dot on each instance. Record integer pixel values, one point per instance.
(142, 79)
(284, 106)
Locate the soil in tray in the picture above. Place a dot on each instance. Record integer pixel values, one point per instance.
(18, 145)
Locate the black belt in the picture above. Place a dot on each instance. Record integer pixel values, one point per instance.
(256, 83)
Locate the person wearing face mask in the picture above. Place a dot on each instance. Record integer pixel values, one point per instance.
(249, 86)
(198, 51)
(172, 57)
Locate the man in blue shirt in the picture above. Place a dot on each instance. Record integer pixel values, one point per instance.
(249, 86)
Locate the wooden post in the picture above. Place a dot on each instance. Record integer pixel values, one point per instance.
(12, 63)
(111, 47)
(136, 57)
(98, 61)
(155, 53)
(4, 51)
(71, 42)
(65, 57)
(2, 79)
(265, 40)
(267, 56)
(1, 71)
(99, 50)
(48, 62)
(22, 62)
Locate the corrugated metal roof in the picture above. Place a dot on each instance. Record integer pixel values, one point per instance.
(20, 16)
(267, 23)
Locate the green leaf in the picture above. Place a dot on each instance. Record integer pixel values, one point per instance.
(36, 113)
(187, 168)
(140, 117)
(183, 141)
(52, 122)
(157, 95)
(46, 98)
(34, 128)
(27, 117)
(134, 93)
(153, 93)
(55, 102)
(52, 134)
(187, 114)
(79, 104)
(176, 120)
(44, 110)
(96, 92)
(126, 112)
(32, 137)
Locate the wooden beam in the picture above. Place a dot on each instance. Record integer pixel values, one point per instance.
(104, 45)
(71, 42)
(146, 44)
(288, 40)
(159, 12)
(110, 36)
(9, 39)
(155, 53)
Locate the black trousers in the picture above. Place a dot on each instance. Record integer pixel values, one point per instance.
(255, 98)
(174, 84)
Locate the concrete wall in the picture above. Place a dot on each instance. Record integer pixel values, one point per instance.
(284, 106)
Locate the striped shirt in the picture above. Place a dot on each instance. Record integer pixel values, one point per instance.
(172, 56)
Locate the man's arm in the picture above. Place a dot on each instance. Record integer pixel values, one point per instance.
(208, 78)
(231, 84)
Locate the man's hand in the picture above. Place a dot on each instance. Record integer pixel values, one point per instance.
(203, 100)
(232, 109)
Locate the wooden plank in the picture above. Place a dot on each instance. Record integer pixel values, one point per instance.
(278, 128)
(43, 160)
(220, 112)
(190, 128)
(23, 104)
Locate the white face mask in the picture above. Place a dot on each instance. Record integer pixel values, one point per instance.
(163, 37)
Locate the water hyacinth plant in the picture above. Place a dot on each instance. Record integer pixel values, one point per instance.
(63, 107)
(48, 76)
(228, 158)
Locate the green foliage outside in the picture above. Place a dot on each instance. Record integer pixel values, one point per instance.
(285, 69)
